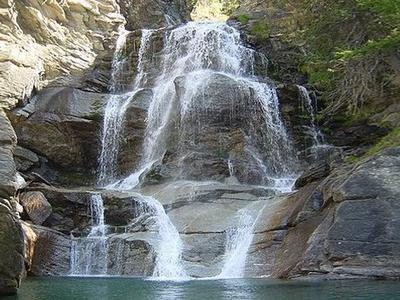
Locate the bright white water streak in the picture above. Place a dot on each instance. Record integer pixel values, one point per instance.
(89, 255)
(318, 139)
(168, 265)
(239, 239)
(114, 113)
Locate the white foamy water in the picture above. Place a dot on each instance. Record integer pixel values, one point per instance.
(194, 54)
(114, 114)
(89, 255)
(168, 265)
(238, 241)
(314, 131)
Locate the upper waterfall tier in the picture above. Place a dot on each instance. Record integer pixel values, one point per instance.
(207, 113)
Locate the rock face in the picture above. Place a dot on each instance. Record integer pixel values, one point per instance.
(43, 42)
(343, 226)
(152, 14)
(8, 139)
(36, 206)
(62, 124)
(47, 251)
(11, 250)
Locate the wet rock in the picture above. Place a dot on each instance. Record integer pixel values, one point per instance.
(36, 206)
(11, 251)
(203, 253)
(70, 208)
(133, 131)
(314, 173)
(48, 251)
(132, 254)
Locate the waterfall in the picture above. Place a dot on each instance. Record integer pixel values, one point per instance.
(89, 254)
(196, 52)
(168, 261)
(315, 132)
(116, 107)
(193, 57)
(238, 242)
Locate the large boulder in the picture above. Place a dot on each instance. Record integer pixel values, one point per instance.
(11, 250)
(36, 206)
(345, 227)
(48, 252)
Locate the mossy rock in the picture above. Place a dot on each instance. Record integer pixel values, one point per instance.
(260, 29)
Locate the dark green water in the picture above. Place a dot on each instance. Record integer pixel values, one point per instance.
(243, 289)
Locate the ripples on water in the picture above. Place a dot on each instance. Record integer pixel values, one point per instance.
(243, 289)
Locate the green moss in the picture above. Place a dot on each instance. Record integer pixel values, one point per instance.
(260, 29)
(244, 19)
(388, 141)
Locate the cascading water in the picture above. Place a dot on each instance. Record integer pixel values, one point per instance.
(116, 106)
(168, 261)
(194, 54)
(89, 254)
(238, 242)
(193, 58)
(318, 138)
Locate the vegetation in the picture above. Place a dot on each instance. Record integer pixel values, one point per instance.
(390, 140)
(213, 9)
(260, 29)
(244, 19)
(352, 48)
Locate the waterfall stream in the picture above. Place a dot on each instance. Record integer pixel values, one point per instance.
(194, 56)
(238, 242)
(89, 254)
(315, 132)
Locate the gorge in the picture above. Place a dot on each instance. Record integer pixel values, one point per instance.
(137, 142)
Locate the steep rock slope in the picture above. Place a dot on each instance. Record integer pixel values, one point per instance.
(49, 43)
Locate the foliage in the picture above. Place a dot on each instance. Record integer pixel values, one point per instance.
(349, 43)
(390, 140)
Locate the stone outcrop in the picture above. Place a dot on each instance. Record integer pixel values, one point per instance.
(341, 226)
(63, 125)
(47, 251)
(36, 206)
(11, 250)
(51, 41)
(8, 140)
(153, 14)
